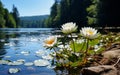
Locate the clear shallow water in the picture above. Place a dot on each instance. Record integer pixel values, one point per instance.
(23, 43)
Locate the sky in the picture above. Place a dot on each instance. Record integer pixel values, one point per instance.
(29, 7)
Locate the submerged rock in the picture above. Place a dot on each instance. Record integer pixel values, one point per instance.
(100, 70)
(112, 54)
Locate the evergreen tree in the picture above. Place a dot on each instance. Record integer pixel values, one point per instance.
(15, 14)
(67, 11)
(78, 12)
(6, 19)
(10, 21)
(51, 21)
(92, 13)
(2, 20)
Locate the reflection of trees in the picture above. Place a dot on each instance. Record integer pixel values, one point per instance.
(2, 50)
(5, 36)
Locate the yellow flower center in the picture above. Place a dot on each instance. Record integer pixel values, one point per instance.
(90, 32)
(50, 41)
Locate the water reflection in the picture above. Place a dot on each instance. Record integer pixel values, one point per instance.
(23, 49)
(2, 41)
(22, 44)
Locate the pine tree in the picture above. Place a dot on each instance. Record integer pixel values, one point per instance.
(15, 14)
(2, 20)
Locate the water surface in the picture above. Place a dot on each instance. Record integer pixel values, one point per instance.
(23, 43)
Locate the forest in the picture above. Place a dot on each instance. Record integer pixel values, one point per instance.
(33, 21)
(93, 13)
(9, 19)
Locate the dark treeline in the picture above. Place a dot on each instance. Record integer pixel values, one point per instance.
(8, 19)
(33, 21)
(99, 13)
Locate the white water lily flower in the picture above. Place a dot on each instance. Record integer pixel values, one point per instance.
(41, 62)
(89, 32)
(69, 27)
(50, 41)
(14, 70)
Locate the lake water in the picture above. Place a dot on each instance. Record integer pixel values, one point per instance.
(26, 45)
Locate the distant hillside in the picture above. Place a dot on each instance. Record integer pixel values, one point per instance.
(34, 17)
(33, 21)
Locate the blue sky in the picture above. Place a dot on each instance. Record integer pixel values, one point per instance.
(29, 7)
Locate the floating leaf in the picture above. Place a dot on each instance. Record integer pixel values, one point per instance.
(4, 61)
(28, 64)
(14, 70)
(47, 57)
(41, 62)
(15, 63)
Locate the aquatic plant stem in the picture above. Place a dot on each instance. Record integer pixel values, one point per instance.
(83, 46)
(55, 50)
(87, 46)
(86, 52)
(73, 44)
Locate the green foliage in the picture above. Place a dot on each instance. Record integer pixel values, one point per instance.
(67, 11)
(78, 46)
(91, 20)
(53, 19)
(6, 19)
(94, 42)
(15, 15)
(10, 21)
(99, 13)
(33, 21)
(2, 21)
(92, 12)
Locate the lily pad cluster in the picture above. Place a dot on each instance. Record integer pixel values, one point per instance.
(44, 60)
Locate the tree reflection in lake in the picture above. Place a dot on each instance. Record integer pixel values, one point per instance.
(2, 41)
